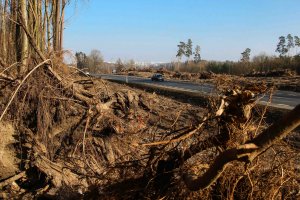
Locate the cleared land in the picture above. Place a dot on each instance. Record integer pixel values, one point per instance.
(88, 138)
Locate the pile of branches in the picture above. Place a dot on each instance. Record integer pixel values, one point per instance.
(273, 73)
(196, 158)
(73, 132)
(80, 138)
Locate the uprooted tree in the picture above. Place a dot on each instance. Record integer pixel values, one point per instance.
(246, 152)
(83, 136)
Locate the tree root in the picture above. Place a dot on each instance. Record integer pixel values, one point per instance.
(246, 152)
(12, 179)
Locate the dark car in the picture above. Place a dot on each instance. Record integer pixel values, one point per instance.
(157, 77)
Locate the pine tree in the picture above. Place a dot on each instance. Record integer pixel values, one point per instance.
(246, 55)
(197, 57)
(189, 48)
(281, 46)
(290, 42)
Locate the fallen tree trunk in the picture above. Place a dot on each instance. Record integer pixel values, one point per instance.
(246, 152)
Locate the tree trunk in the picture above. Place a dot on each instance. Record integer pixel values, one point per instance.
(3, 28)
(56, 24)
(12, 56)
(24, 42)
(40, 25)
(62, 24)
(47, 26)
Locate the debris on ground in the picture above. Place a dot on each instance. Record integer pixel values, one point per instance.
(69, 136)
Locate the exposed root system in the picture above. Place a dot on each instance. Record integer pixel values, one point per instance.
(80, 137)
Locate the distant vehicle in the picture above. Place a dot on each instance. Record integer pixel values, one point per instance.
(157, 77)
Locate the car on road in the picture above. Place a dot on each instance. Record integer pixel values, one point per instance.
(157, 77)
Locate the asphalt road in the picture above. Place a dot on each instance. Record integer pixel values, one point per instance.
(280, 99)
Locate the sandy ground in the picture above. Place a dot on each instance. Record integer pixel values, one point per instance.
(8, 162)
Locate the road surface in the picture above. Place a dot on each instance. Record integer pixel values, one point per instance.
(280, 99)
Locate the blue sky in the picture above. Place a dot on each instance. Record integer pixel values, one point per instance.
(149, 30)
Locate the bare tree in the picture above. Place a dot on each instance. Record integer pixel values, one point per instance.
(119, 65)
(95, 60)
(131, 64)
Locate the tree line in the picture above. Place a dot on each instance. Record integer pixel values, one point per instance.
(288, 59)
(94, 63)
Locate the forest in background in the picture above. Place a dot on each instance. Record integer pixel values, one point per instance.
(287, 48)
(288, 59)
